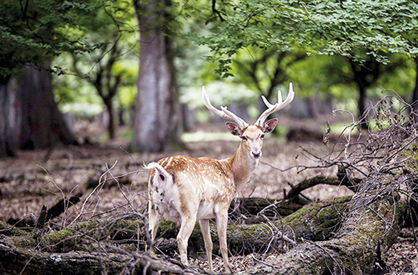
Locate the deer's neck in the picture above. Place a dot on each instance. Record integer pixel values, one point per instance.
(242, 165)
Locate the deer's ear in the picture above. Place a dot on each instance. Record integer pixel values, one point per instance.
(269, 125)
(233, 128)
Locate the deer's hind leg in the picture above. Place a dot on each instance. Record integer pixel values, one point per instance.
(204, 227)
(186, 228)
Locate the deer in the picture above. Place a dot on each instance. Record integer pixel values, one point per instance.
(185, 189)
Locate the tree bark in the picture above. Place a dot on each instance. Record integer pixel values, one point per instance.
(176, 114)
(156, 99)
(10, 115)
(42, 123)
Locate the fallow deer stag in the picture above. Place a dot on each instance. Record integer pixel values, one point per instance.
(185, 189)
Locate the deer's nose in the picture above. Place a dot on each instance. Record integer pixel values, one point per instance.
(256, 155)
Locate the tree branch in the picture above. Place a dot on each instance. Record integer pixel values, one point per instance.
(217, 12)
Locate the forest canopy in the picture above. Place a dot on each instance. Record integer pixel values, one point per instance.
(376, 30)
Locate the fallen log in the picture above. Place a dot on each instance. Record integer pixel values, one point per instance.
(366, 231)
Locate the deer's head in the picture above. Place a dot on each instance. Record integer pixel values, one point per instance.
(251, 135)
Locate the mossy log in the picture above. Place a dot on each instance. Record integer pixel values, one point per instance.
(356, 248)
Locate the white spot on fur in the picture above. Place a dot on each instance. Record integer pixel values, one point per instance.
(169, 162)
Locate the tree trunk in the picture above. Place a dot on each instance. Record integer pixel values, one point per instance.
(10, 114)
(121, 115)
(156, 97)
(364, 75)
(176, 115)
(361, 101)
(111, 122)
(188, 117)
(361, 105)
(42, 123)
(324, 217)
(360, 75)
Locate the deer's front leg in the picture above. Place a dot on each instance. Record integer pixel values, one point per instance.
(222, 224)
(204, 227)
(186, 229)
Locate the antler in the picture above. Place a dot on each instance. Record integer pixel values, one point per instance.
(276, 107)
(224, 113)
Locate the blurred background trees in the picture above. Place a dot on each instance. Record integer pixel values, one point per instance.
(108, 67)
(32, 33)
(141, 64)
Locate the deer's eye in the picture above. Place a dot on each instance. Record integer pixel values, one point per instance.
(243, 138)
(262, 136)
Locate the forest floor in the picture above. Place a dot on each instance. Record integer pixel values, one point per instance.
(44, 177)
